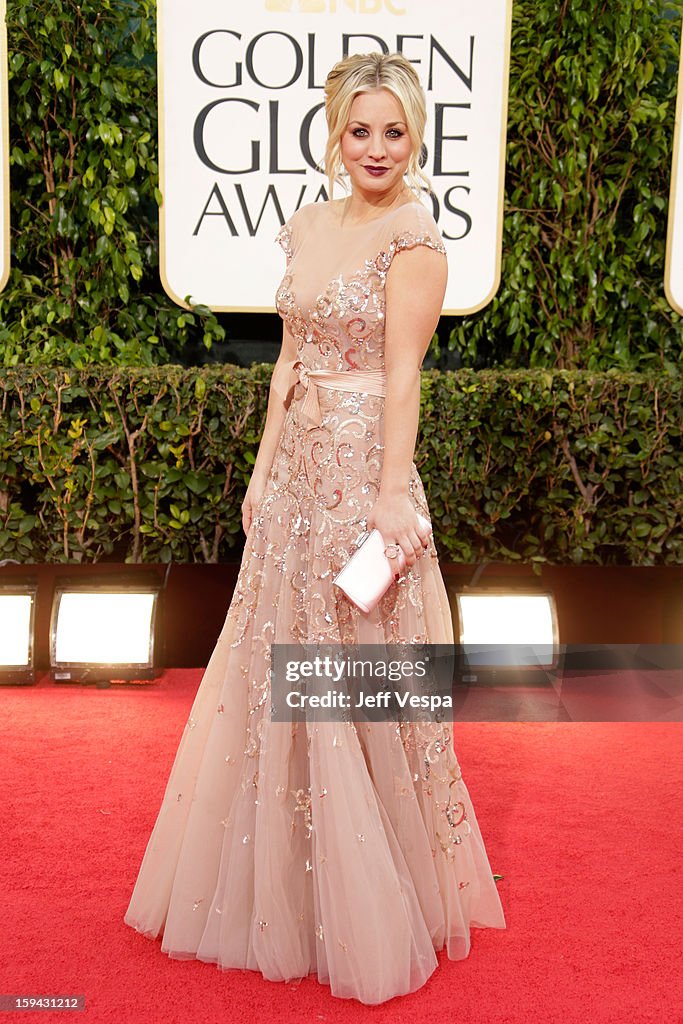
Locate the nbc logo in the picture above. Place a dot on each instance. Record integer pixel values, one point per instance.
(331, 6)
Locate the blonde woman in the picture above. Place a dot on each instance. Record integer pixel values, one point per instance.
(345, 850)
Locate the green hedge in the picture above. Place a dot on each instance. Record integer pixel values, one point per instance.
(152, 464)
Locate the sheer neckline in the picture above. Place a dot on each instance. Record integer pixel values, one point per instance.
(375, 220)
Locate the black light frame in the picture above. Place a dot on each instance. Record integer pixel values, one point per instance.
(23, 675)
(493, 672)
(92, 672)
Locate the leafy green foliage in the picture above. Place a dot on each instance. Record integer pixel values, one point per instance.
(127, 464)
(84, 285)
(562, 467)
(590, 132)
(152, 464)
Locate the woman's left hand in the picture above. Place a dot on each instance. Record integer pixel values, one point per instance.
(396, 519)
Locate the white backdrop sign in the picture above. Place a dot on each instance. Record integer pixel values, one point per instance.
(4, 154)
(673, 269)
(242, 127)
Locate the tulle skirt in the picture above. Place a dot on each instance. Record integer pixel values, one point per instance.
(346, 850)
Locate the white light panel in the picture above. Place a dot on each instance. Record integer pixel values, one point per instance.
(506, 618)
(15, 629)
(101, 628)
(523, 624)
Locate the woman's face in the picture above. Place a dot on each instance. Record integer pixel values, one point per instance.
(375, 145)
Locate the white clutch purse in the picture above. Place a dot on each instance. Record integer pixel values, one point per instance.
(368, 574)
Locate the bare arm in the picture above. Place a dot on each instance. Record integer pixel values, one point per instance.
(415, 289)
(280, 386)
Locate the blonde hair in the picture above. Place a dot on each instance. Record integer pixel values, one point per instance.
(364, 72)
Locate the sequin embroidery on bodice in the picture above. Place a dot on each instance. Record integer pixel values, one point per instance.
(341, 326)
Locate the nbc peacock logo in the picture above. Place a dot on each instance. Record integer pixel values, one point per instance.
(332, 6)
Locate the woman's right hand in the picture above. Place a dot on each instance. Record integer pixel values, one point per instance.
(252, 500)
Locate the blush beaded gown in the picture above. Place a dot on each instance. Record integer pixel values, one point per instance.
(350, 851)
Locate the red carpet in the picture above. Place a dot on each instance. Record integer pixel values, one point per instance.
(584, 821)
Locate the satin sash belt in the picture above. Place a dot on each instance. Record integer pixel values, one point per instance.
(370, 382)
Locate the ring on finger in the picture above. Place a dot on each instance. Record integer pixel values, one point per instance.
(391, 550)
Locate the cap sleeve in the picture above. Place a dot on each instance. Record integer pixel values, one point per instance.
(289, 234)
(284, 237)
(413, 225)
